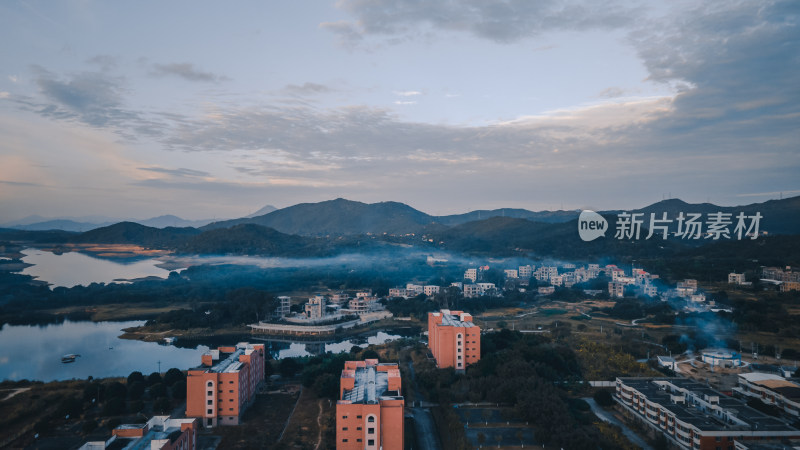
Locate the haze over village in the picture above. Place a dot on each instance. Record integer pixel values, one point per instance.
(372, 224)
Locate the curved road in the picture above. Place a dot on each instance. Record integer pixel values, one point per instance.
(427, 437)
(605, 416)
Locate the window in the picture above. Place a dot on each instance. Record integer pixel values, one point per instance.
(370, 430)
(210, 393)
(371, 419)
(459, 350)
(230, 409)
(358, 428)
(344, 440)
(210, 402)
(230, 399)
(344, 428)
(459, 356)
(358, 440)
(209, 422)
(210, 384)
(210, 411)
(231, 391)
(344, 417)
(358, 417)
(371, 442)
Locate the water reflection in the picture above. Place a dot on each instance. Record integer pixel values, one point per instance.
(288, 349)
(60, 270)
(34, 352)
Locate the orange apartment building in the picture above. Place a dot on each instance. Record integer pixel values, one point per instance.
(453, 339)
(225, 384)
(369, 413)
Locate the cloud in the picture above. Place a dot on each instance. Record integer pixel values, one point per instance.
(401, 102)
(13, 78)
(105, 62)
(4, 94)
(502, 22)
(307, 89)
(187, 71)
(407, 93)
(181, 172)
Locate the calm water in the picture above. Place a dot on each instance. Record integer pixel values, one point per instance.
(280, 350)
(73, 268)
(35, 352)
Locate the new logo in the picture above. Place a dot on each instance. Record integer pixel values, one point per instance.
(591, 225)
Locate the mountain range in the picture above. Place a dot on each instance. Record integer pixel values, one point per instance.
(323, 228)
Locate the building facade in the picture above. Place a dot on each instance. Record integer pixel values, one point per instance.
(225, 384)
(453, 339)
(369, 413)
(694, 417)
(772, 390)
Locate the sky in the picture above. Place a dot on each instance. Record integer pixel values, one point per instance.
(213, 110)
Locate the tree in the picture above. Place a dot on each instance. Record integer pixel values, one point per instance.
(162, 405)
(172, 376)
(603, 398)
(179, 390)
(114, 407)
(135, 376)
(136, 390)
(158, 390)
(154, 378)
(116, 390)
(288, 367)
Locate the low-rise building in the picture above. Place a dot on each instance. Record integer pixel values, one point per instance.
(158, 433)
(510, 273)
(787, 286)
(736, 278)
(524, 271)
(545, 290)
(616, 289)
(398, 292)
(284, 307)
(220, 390)
(453, 339)
(471, 290)
(431, 290)
(369, 413)
(471, 275)
(693, 416)
(315, 307)
(772, 390)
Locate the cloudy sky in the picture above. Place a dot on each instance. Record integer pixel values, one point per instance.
(201, 109)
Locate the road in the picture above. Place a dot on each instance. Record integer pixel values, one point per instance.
(427, 437)
(605, 416)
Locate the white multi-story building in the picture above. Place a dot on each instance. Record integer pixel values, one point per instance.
(471, 275)
(471, 290)
(398, 292)
(510, 273)
(457, 284)
(525, 271)
(315, 308)
(284, 306)
(431, 290)
(415, 289)
(557, 280)
(736, 278)
(616, 289)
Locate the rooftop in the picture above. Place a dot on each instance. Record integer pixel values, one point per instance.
(693, 412)
(454, 320)
(371, 385)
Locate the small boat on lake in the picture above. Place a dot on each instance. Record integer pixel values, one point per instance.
(69, 358)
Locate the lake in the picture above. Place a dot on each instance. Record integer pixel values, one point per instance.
(73, 268)
(34, 352)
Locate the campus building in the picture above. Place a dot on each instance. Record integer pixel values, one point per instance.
(453, 339)
(225, 384)
(772, 390)
(369, 413)
(158, 433)
(695, 417)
